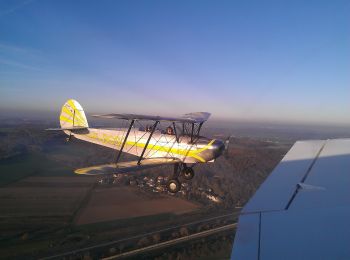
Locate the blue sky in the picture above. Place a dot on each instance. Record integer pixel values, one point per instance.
(285, 61)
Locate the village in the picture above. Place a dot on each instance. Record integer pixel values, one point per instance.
(158, 185)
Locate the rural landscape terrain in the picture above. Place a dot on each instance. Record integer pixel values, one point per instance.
(264, 74)
(47, 210)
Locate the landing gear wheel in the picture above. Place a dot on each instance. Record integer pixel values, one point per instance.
(173, 186)
(188, 174)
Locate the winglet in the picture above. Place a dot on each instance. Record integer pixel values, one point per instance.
(309, 187)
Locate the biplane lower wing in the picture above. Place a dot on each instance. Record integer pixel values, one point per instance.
(125, 167)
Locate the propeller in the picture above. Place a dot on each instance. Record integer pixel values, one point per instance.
(227, 144)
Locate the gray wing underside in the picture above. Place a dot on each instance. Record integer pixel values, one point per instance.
(196, 117)
(302, 210)
(125, 167)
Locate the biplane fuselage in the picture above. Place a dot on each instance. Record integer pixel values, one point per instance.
(161, 145)
(182, 148)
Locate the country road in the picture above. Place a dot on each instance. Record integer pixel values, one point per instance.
(173, 241)
(112, 243)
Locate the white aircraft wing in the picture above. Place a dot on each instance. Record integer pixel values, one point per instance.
(125, 167)
(197, 117)
(302, 210)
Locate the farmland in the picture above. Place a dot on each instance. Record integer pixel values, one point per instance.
(112, 203)
(46, 209)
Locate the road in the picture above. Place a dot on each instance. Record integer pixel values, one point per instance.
(112, 243)
(173, 242)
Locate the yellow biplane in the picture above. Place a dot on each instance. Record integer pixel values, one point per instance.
(179, 145)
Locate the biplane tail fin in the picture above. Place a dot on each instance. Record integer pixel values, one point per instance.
(72, 115)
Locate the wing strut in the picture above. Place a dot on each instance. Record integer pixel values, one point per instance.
(149, 138)
(124, 141)
(177, 137)
(192, 129)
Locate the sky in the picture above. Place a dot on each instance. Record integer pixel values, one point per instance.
(269, 61)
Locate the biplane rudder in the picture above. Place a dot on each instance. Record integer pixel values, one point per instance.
(72, 115)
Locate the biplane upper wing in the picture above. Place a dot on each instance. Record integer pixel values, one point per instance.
(125, 167)
(197, 117)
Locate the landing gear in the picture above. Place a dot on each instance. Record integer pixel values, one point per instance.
(187, 173)
(173, 185)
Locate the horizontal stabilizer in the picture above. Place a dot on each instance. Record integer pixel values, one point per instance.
(66, 128)
(125, 167)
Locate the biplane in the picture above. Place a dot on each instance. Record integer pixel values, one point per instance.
(179, 145)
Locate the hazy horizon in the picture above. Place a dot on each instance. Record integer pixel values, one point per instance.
(266, 62)
(214, 120)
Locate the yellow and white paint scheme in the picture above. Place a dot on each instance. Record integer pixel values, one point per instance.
(74, 123)
(72, 115)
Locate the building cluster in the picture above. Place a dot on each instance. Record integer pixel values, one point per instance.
(158, 185)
